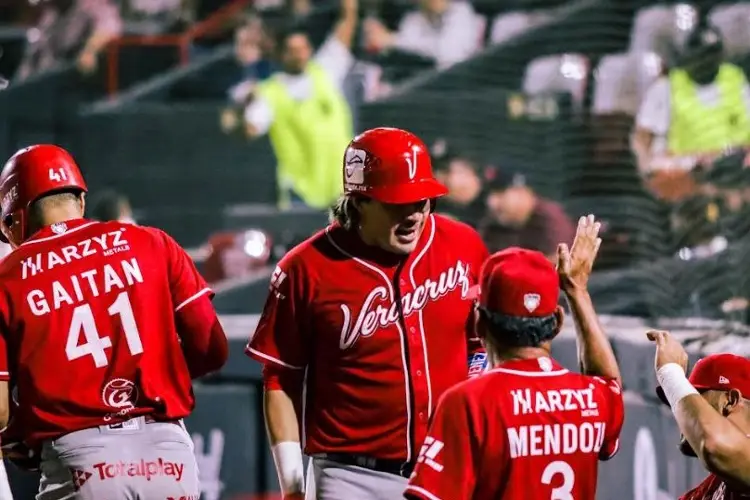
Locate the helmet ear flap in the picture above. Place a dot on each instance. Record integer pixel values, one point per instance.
(13, 228)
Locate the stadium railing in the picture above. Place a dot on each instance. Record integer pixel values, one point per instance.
(180, 43)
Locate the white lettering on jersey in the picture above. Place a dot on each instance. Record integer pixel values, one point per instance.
(107, 244)
(372, 317)
(555, 439)
(429, 452)
(526, 401)
(79, 288)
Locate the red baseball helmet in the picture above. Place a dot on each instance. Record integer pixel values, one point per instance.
(390, 165)
(30, 174)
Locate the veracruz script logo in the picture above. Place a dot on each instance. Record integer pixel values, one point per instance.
(374, 315)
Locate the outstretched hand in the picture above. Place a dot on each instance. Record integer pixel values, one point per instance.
(574, 264)
(668, 349)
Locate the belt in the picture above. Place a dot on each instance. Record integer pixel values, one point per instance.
(397, 467)
(148, 419)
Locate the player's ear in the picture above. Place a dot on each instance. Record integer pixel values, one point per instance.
(734, 398)
(559, 318)
(82, 201)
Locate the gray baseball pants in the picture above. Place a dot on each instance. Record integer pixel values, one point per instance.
(335, 481)
(134, 460)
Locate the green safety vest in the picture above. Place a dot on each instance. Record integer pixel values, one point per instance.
(309, 138)
(696, 128)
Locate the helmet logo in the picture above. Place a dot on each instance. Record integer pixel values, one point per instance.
(354, 166)
(412, 162)
(10, 197)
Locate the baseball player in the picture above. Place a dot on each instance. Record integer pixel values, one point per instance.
(712, 413)
(528, 428)
(102, 326)
(366, 326)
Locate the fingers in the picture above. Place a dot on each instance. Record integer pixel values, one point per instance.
(563, 256)
(657, 336)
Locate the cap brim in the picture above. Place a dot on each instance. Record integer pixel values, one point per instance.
(409, 193)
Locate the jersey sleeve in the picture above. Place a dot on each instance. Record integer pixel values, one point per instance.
(447, 461)
(185, 282)
(612, 392)
(279, 337)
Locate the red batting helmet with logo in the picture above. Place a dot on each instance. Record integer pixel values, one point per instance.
(31, 173)
(390, 165)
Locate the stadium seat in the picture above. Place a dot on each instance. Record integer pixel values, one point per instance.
(662, 28)
(621, 80)
(557, 73)
(510, 24)
(733, 21)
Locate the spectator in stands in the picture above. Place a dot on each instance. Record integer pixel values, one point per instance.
(466, 199)
(149, 17)
(70, 30)
(109, 205)
(251, 51)
(304, 111)
(695, 113)
(443, 30)
(519, 217)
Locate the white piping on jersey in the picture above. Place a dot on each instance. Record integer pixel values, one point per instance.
(421, 315)
(529, 374)
(55, 236)
(404, 339)
(614, 452)
(192, 298)
(422, 492)
(303, 437)
(271, 358)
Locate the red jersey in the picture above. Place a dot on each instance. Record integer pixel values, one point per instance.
(380, 336)
(714, 488)
(87, 327)
(526, 429)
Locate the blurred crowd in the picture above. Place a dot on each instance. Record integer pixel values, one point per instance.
(674, 108)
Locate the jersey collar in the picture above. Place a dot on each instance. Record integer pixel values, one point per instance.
(354, 245)
(542, 364)
(57, 229)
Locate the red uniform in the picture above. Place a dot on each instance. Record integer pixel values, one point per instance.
(526, 429)
(380, 336)
(714, 488)
(87, 315)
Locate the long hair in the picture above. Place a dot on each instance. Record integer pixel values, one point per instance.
(344, 212)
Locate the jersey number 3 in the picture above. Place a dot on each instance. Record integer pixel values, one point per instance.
(93, 345)
(560, 468)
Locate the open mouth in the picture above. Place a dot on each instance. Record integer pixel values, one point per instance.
(407, 233)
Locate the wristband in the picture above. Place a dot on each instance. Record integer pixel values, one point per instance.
(674, 383)
(287, 456)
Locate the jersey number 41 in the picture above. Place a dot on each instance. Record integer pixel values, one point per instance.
(94, 345)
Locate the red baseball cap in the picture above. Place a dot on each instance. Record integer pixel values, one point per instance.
(518, 282)
(718, 372)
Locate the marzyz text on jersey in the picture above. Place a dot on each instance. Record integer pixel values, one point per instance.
(108, 243)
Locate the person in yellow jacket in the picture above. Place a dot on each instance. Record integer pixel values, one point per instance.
(304, 111)
(697, 111)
